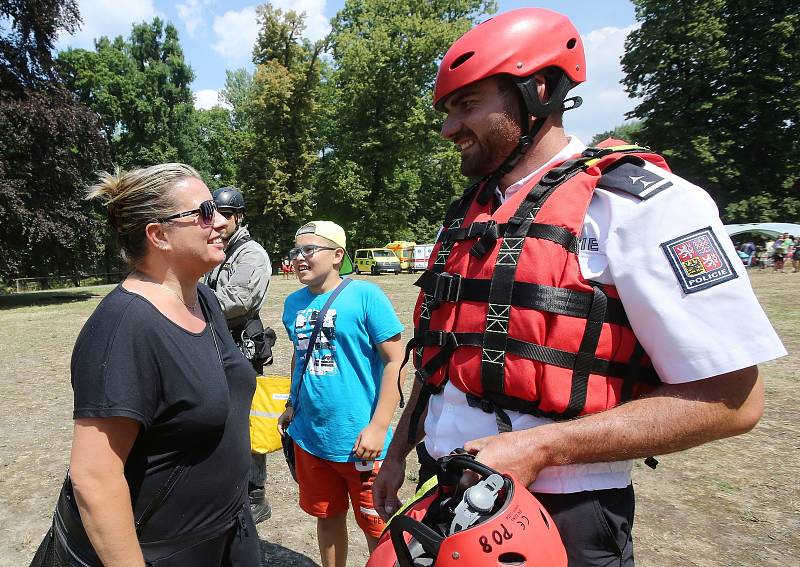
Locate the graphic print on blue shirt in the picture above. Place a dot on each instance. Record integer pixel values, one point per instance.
(337, 396)
(322, 360)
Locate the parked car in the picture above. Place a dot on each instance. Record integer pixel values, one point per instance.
(376, 261)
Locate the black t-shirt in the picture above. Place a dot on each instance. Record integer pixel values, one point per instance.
(131, 361)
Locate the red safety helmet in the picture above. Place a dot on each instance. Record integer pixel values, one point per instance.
(495, 522)
(517, 43)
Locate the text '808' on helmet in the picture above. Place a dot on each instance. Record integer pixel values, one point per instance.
(496, 522)
(518, 43)
(228, 199)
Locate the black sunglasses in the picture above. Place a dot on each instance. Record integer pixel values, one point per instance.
(205, 210)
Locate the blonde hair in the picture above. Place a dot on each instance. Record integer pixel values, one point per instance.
(135, 198)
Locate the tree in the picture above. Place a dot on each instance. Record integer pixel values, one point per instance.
(140, 88)
(385, 170)
(25, 49)
(279, 149)
(720, 83)
(238, 93)
(50, 147)
(630, 132)
(216, 146)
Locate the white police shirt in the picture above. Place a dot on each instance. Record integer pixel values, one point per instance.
(681, 283)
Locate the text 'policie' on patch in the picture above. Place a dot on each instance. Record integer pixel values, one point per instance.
(698, 260)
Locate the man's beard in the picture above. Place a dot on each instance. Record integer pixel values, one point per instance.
(490, 152)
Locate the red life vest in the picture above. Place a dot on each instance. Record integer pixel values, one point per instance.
(505, 313)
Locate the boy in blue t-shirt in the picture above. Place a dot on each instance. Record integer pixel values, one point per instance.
(340, 409)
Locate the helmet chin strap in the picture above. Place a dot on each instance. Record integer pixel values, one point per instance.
(528, 132)
(530, 107)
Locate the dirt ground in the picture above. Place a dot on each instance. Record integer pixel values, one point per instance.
(731, 503)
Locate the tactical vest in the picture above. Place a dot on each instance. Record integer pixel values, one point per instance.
(504, 312)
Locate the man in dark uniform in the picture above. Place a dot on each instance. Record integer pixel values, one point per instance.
(240, 284)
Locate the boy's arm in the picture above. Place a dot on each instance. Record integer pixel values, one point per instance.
(369, 444)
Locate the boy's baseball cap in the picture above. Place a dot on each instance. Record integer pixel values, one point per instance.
(334, 233)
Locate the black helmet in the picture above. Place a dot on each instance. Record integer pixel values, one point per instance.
(228, 199)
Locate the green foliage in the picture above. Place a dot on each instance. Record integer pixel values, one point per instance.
(385, 173)
(720, 82)
(763, 207)
(27, 35)
(237, 93)
(630, 132)
(216, 146)
(140, 88)
(50, 146)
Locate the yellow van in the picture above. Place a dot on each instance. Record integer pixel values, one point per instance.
(375, 261)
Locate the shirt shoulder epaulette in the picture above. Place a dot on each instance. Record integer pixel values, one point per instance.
(630, 175)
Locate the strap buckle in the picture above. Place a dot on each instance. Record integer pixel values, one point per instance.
(486, 241)
(477, 229)
(447, 287)
(486, 406)
(435, 338)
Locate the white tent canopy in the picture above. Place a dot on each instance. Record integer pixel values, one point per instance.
(769, 229)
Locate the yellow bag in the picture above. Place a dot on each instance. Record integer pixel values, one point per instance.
(269, 402)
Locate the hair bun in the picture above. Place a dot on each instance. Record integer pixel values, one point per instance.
(114, 216)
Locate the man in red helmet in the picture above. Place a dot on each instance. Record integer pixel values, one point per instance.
(570, 283)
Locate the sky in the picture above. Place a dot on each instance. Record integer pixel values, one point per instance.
(219, 34)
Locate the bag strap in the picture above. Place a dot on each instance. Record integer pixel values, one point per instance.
(315, 333)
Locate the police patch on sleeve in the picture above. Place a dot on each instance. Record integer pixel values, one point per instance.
(698, 260)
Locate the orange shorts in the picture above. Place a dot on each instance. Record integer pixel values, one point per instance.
(326, 485)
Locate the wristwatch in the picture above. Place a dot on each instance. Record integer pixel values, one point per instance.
(289, 403)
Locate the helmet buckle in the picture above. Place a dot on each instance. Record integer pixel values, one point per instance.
(478, 501)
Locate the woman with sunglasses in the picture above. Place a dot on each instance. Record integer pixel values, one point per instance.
(161, 450)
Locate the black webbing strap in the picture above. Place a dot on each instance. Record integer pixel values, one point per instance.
(410, 346)
(631, 370)
(474, 230)
(561, 301)
(632, 373)
(599, 153)
(489, 231)
(448, 347)
(586, 355)
(500, 416)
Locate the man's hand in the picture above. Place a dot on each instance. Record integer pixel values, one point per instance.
(369, 444)
(384, 490)
(284, 420)
(510, 453)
